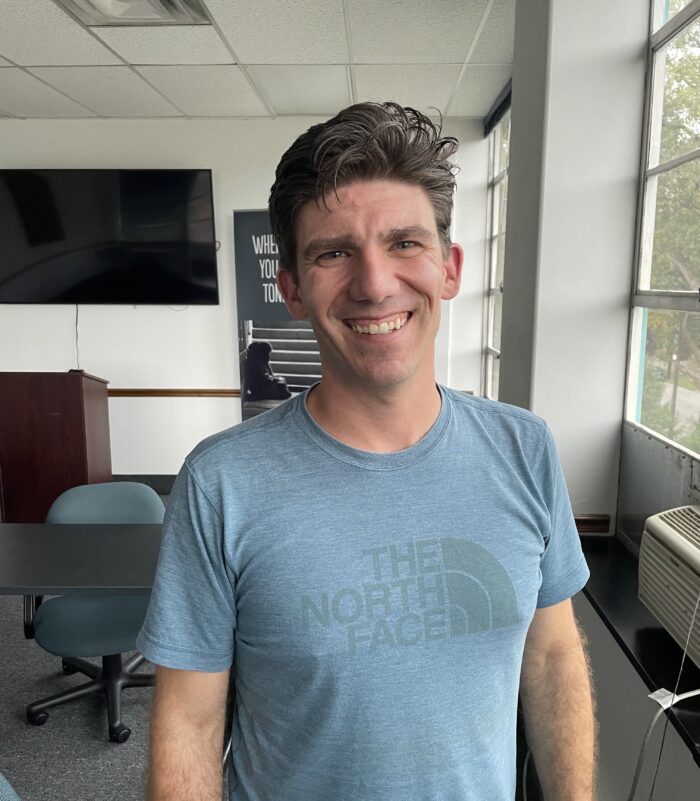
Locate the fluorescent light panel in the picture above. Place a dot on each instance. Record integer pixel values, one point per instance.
(137, 12)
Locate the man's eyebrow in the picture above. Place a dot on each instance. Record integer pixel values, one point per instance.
(346, 242)
(316, 246)
(408, 232)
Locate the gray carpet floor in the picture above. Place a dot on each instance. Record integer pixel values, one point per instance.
(70, 757)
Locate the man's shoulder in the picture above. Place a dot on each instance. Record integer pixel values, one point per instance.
(489, 428)
(250, 439)
(495, 413)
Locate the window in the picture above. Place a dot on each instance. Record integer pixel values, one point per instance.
(499, 143)
(664, 10)
(664, 389)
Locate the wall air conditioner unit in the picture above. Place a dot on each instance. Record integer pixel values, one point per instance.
(669, 573)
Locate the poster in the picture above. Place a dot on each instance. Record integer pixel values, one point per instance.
(257, 261)
(278, 355)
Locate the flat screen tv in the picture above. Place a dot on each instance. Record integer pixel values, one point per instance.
(107, 236)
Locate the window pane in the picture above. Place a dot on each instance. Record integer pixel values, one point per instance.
(500, 259)
(674, 218)
(492, 154)
(488, 375)
(678, 67)
(665, 9)
(492, 375)
(497, 301)
(504, 126)
(498, 204)
(670, 385)
(502, 205)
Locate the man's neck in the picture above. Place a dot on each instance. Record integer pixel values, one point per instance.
(380, 422)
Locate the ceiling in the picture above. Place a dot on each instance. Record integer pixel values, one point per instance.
(259, 58)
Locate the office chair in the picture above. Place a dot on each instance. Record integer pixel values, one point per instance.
(6, 791)
(100, 625)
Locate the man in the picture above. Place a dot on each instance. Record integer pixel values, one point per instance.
(379, 559)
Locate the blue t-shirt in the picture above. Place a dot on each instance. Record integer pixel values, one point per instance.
(374, 607)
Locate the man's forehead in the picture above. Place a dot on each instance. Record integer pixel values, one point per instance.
(368, 189)
(379, 206)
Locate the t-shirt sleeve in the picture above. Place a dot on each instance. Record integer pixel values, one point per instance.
(563, 565)
(191, 617)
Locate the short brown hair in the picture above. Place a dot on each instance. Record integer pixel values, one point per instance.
(363, 142)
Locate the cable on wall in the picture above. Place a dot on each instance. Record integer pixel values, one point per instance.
(77, 344)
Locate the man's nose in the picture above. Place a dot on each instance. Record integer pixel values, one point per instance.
(373, 278)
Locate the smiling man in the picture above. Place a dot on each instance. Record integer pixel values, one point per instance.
(384, 563)
(370, 272)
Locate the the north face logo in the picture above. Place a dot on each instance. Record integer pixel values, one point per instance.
(418, 591)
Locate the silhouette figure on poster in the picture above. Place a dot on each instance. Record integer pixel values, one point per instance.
(260, 382)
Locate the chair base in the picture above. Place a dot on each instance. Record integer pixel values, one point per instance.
(111, 679)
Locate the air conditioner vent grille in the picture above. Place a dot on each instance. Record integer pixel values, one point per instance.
(669, 588)
(686, 522)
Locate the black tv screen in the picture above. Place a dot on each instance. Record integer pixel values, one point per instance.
(107, 236)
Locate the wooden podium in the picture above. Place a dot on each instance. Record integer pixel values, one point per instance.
(54, 434)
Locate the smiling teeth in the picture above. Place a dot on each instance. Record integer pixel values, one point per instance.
(382, 328)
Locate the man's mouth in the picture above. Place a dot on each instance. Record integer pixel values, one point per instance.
(379, 326)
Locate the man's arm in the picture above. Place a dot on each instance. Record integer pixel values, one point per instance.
(187, 730)
(555, 690)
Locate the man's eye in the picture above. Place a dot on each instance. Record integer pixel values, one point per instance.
(406, 244)
(331, 255)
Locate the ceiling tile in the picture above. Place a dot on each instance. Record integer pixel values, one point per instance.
(413, 31)
(304, 89)
(172, 44)
(25, 96)
(291, 32)
(37, 32)
(421, 86)
(496, 41)
(109, 91)
(207, 91)
(478, 90)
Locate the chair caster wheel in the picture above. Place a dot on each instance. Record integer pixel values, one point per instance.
(69, 670)
(119, 733)
(37, 718)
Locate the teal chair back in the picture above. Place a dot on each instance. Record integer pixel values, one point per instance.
(6, 791)
(112, 502)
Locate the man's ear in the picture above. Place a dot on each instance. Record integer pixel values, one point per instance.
(453, 272)
(289, 290)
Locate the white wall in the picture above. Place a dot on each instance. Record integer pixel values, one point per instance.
(576, 131)
(185, 347)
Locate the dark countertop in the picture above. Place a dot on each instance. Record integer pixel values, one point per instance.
(612, 590)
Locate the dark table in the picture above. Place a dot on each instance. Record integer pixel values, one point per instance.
(42, 559)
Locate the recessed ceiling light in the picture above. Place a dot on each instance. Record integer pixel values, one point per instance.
(137, 12)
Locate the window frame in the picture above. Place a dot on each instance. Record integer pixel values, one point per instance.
(653, 299)
(496, 180)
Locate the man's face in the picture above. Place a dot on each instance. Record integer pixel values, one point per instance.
(371, 275)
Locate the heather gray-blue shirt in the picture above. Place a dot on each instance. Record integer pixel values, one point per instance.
(373, 606)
